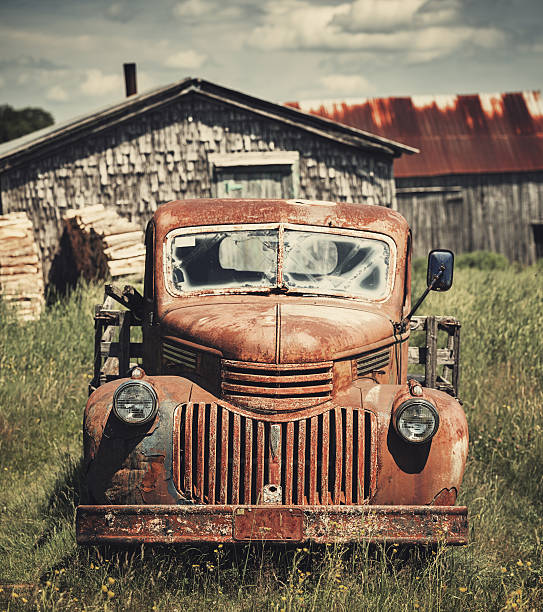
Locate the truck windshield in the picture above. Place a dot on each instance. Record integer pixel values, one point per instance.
(311, 262)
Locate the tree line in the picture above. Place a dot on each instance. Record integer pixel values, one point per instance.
(18, 122)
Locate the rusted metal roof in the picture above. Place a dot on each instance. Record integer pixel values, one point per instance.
(455, 134)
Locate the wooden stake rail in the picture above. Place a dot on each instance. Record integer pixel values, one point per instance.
(113, 357)
(442, 364)
(21, 276)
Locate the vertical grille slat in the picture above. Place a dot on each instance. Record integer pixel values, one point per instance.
(225, 458)
(313, 454)
(361, 458)
(339, 455)
(301, 463)
(288, 493)
(223, 474)
(188, 449)
(212, 453)
(325, 495)
(348, 445)
(248, 461)
(259, 462)
(236, 467)
(200, 451)
(274, 450)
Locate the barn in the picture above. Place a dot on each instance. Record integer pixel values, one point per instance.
(477, 183)
(188, 140)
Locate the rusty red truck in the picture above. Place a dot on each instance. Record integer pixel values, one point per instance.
(270, 398)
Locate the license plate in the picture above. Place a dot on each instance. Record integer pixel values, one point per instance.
(276, 524)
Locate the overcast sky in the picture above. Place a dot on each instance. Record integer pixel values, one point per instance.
(66, 55)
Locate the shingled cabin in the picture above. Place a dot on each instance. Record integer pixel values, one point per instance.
(188, 140)
(477, 183)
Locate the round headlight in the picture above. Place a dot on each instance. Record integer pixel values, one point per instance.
(416, 421)
(135, 402)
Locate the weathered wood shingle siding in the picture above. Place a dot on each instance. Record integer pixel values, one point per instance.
(490, 212)
(162, 155)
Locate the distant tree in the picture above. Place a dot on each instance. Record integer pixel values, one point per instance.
(15, 123)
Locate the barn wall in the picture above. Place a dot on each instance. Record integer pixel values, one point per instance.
(490, 212)
(162, 155)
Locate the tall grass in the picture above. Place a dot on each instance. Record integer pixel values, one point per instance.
(44, 372)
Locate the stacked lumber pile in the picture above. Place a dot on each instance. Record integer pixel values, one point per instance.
(98, 243)
(21, 275)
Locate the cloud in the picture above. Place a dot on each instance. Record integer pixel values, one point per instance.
(209, 10)
(27, 62)
(377, 15)
(2, 82)
(186, 59)
(192, 8)
(121, 11)
(295, 24)
(97, 83)
(414, 29)
(49, 41)
(347, 84)
(393, 15)
(56, 93)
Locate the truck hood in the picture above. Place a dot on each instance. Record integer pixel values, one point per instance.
(277, 333)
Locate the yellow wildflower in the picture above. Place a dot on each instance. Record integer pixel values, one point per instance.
(104, 588)
(462, 589)
(110, 594)
(111, 580)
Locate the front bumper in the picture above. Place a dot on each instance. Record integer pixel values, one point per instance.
(235, 524)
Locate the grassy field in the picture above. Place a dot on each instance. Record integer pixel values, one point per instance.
(44, 372)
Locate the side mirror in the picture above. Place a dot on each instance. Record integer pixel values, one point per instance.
(440, 270)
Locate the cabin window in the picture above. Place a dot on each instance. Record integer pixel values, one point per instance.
(269, 174)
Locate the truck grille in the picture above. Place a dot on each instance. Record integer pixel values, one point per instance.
(299, 384)
(370, 362)
(221, 457)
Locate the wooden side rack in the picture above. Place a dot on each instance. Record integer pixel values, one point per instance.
(441, 363)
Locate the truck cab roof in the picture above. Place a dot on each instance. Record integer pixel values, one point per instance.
(191, 213)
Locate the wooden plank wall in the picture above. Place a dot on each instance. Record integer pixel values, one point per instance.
(490, 212)
(162, 155)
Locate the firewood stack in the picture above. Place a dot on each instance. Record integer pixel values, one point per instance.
(21, 276)
(101, 244)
